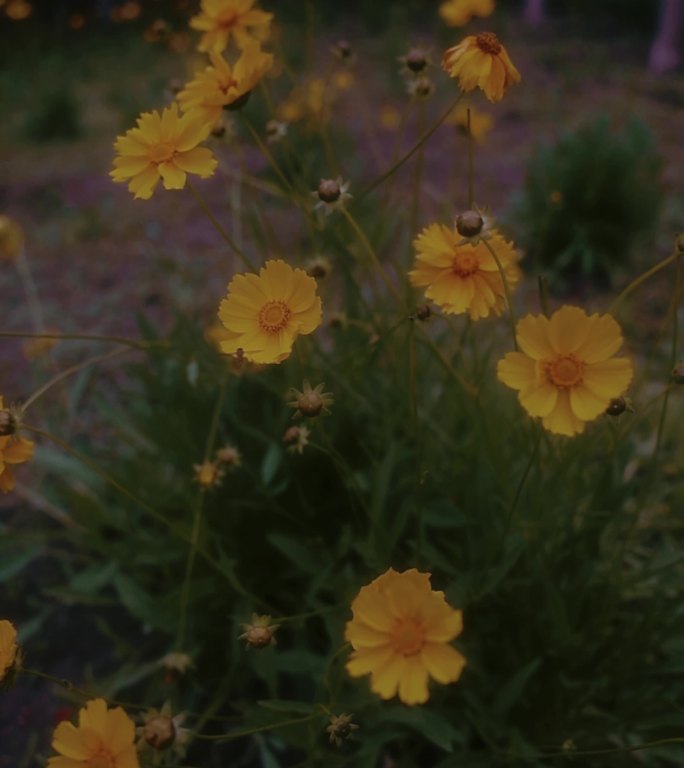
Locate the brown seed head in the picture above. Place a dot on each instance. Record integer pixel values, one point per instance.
(159, 732)
(469, 223)
(329, 190)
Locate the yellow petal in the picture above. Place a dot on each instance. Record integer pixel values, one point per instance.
(119, 732)
(199, 160)
(569, 328)
(604, 341)
(609, 378)
(532, 333)
(443, 662)
(585, 404)
(142, 186)
(18, 451)
(367, 660)
(77, 743)
(172, 176)
(517, 370)
(360, 635)
(385, 679)
(413, 687)
(561, 420)
(539, 399)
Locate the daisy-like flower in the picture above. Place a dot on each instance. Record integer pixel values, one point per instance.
(457, 13)
(13, 449)
(220, 20)
(401, 632)
(222, 86)
(104, 738)
(565, 372)
(9, 649)
(265, 313)
(162, 147)
(462, 275)
(480, 122)
(331, 195)
(481, 61)
(310, 402)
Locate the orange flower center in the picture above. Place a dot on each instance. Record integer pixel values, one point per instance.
(227, 84)
(274, 316)
(162, 152)
(101, 759)
(407, 636)
(465, 264)
(228, 19)
(488, 42)
(565, 371)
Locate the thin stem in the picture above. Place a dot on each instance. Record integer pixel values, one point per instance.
(521, 484)
(372, 254)
(197, 516)
(417, 438)
(228, 239)
(467, 386)
(258, 729)
(639, 280)
(83, 337)
(69, 686)
(410, 153)
(420, 161)
(504, 280)
(68, 372)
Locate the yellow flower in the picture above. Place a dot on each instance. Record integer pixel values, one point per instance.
(461, 275)
(162, 147)
(219, 19)
(208, 474)
(13, 450)
(480, 122)
(481, 61)
(11, 239)
(104, 738)
(400, 633)
(457, 13)
(222, 86)
(565, 372)
(9, 650)
(264, 313)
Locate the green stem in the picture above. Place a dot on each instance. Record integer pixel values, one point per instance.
(227, 238)
(68, 372)
(467, 386)
(258, 729)
(396, 165)
(83, 337)
(504, 280)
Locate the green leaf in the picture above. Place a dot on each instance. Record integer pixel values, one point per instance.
(271, 463)
(432, 725)
(511, 692)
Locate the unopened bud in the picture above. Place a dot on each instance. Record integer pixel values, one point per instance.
(159, 732)
(469, 223)
(310, 402)
(329, 190)
(416, 60)
(259, 633)
(423, 312)
(341, 727)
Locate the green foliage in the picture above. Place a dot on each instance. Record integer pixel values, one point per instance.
(589, 201)
(55, 116)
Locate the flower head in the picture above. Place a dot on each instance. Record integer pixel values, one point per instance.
(415, 62)
(104, 738)
(176, 662)
(296, 439)
(259, 633)
(264, 313)
(331, 195)
(228, 456)
(208, 474)
(162, 147)
(13, 449)
(565, 372)
(341, 727)
(401, 632)
(420, 87)
(11, 239)
(461, 275)
(220, 20)
(222, 86)
(481, 61)
(309, 402)
(160, 730)
(9, 649)
(457, 13)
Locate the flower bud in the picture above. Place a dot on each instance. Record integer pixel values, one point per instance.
(416, 60)
(341, 728)
(159, 732)
(309, 402)
(469, 223)
(259, 633)
(329, 190)
(296, 439)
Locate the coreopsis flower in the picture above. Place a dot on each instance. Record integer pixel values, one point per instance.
(161, 731)
(222, 86)
(401, 632)
(480, 122)
(11, 239)
(13, 449)
(462, 275)
(481, 61)
(259, 633)
(341, 727)
(457, 13)
(296, 439)
(208, 474)
(331, 195)
(104, 738)
(310, 401)
(220, 20)
(9, 649)
(162, 147)
(565, 372)
(265, 313)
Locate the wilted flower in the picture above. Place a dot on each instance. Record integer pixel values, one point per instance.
(310, 402)
(401, 632)
(341, 728)
(296, 439)
(265, 313)
(220, 20)
(420, 87)
(318, 267)
(565, 372)
(104, 738)
(176, 662)
(481, 61)
(162, 147)
(416, 61)
(259, 633)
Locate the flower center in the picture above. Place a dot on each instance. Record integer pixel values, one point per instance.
(465, 264)
(407, 636)
(227, 19)
(160, 153)
(101, 759)
(565, 371)
(488, 42)
(274, 316)
(227, 84)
